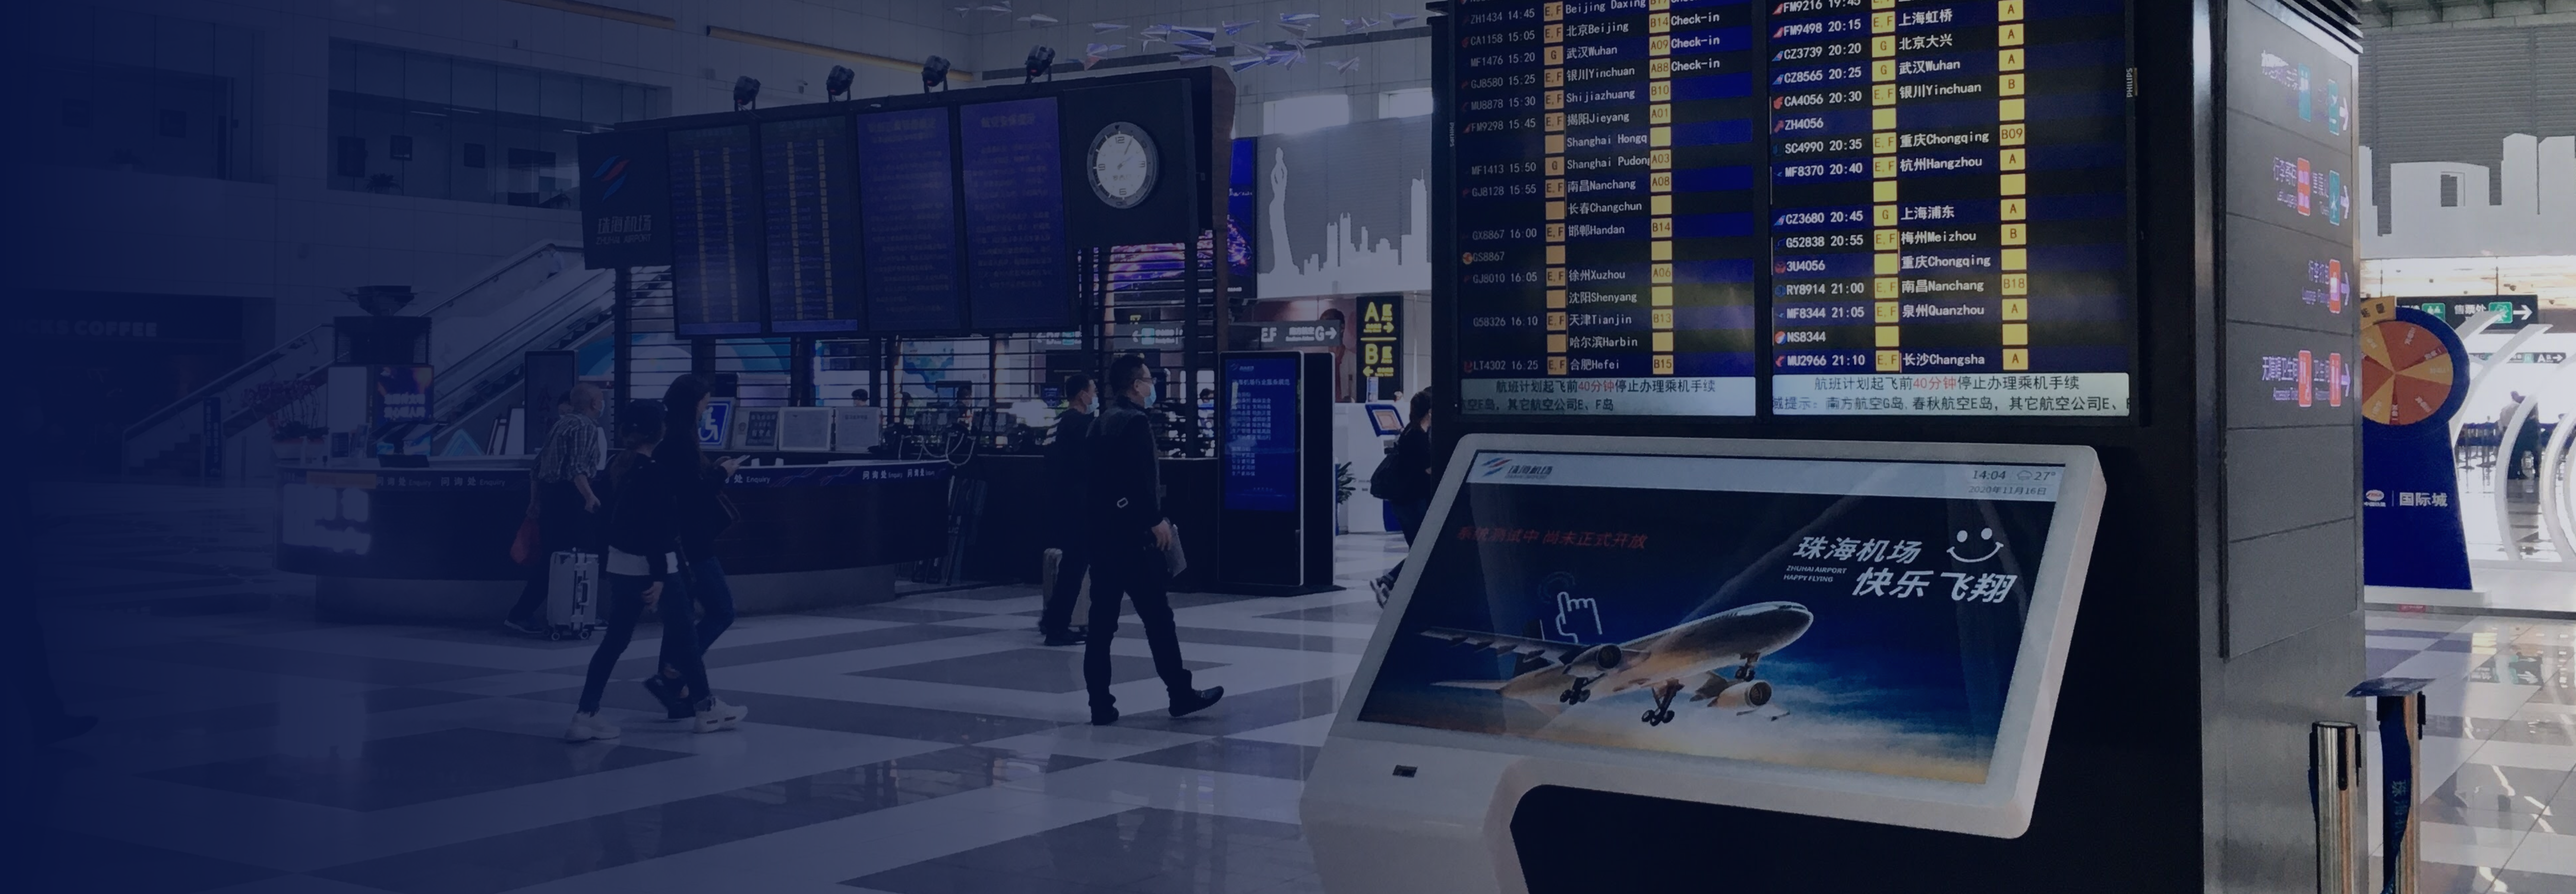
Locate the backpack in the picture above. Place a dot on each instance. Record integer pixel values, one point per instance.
(1383, 483)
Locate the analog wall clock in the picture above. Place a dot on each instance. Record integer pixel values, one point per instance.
(1123, 165)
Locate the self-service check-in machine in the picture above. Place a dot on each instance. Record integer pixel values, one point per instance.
(1362, 435)
(1860, 631)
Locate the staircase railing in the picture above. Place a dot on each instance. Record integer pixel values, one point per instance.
(294, 370)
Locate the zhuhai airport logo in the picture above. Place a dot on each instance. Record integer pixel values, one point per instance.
(611, 175)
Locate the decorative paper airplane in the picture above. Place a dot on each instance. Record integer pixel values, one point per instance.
(1400, 19)
(1154, 33)
(1106, 27)
(1193, 41)
(1003, 8)
(1039, 19)
(1284, 57)
(1208, 34)
(1345, 66)
(1299, 18)
(1358, 24)
(1241, 65)
(1102, 49)
(1233, 28)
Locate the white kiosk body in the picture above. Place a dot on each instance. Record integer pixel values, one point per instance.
(1863, 631)
(1362, 433)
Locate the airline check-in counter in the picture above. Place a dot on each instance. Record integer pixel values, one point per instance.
(433, 544)
(1871, 632)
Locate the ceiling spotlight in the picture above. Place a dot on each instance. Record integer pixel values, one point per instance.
(837, 84)
(746, 93)
(934, 73)
(1041, 62)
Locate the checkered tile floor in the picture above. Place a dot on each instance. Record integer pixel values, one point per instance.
(925, 746)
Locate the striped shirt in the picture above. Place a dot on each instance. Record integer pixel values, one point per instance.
(571, 451)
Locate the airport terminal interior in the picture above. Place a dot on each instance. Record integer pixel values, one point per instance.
(1290, 446)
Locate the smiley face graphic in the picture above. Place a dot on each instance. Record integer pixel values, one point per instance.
(1985, 534)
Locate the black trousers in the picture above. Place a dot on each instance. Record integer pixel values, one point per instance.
(1138, 573)
(1058, 614)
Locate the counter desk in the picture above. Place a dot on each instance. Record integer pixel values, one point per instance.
(433, 544)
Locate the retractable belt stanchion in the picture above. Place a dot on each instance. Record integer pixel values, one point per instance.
(2335, 785)
(2399, 705)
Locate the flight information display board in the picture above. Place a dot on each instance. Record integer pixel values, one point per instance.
(809, 178)
(1936, 224)
(715, 232)
(1016, 265)
(908, 223)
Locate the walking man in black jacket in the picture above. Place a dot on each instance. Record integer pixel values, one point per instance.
(1068, 473)
(1129, 537)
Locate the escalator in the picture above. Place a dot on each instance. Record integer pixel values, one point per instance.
(539, 298)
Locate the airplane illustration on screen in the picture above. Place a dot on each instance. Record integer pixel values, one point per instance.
(1694, 654)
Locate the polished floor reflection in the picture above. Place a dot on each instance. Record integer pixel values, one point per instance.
(924, 746)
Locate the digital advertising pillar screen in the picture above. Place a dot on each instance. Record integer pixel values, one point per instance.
(1925, 208)
(1261, 433)
(1897, 622)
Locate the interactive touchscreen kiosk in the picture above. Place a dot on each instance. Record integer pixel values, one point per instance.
(1864, 631)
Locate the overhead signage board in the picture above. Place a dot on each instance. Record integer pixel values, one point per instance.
(810, 178)
(908, 223)
(1017, 267)
(715, 232)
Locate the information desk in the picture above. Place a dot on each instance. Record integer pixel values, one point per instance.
(433, 544)
(1862, 631)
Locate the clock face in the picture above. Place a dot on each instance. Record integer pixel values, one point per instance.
(1122, 165)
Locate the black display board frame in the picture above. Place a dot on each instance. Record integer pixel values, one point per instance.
(1190, 192)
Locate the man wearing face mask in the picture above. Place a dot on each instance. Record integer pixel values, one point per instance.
(1129, 537)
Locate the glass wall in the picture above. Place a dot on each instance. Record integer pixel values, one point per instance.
(421, 124)
(134, 92)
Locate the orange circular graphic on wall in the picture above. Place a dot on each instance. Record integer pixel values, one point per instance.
(2405, 373)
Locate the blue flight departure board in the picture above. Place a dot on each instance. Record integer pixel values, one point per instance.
(809, 179)
(1881, 209)
(1016, 263)
(715, 232)
(908, 222)
(1260, 438)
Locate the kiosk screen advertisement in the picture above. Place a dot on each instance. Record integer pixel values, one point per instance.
(1850, 615)
(1261, 434)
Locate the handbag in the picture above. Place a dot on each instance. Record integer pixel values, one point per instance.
(1175, 559)
(524, 548)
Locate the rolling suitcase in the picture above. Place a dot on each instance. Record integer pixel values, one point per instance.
(572, 594)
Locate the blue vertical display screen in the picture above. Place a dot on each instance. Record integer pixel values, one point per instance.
(715, 226)
(908, 222)
(1261, 434)
(1016, 275)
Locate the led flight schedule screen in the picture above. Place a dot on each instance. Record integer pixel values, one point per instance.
(1881, 208)
(715, 226)
(810, 179)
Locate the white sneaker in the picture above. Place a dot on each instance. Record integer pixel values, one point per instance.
(588, 726)
(714, 715)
